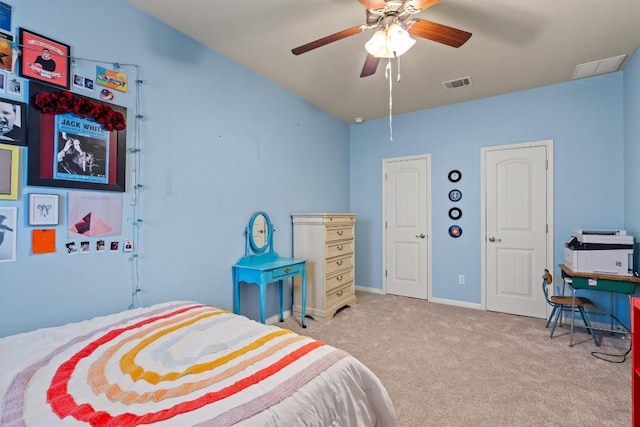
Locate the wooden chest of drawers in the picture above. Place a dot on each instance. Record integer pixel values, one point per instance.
(327, 242)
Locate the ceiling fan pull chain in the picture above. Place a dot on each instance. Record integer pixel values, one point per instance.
(389, 75)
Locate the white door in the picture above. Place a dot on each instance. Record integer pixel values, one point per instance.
(517, 187)
(407, 226)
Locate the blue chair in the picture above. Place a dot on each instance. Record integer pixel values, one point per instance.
(563, 303)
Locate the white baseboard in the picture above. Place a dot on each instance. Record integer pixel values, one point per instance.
(370, 290)
(275, 320)
(445, 301)
(433, 300)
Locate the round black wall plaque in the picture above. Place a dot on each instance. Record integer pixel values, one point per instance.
(455, 231)
(455, 213)
(455, 175)
(455, 195)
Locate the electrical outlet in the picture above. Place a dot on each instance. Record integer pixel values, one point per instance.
(460, 279)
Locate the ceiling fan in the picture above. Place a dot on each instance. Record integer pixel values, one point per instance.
(394, 24)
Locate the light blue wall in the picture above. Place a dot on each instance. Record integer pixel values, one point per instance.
(631, 148)
(584, 118)
(217, 143)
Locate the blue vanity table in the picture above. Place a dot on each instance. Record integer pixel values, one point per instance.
(260, 265)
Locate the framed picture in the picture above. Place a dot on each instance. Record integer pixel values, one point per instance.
(8, 231)
(75, 141)
(9, 164)
(43, 209)
(44, 59)
(6, 52)
(13, 122)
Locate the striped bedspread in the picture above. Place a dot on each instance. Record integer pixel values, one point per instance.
(183, 364)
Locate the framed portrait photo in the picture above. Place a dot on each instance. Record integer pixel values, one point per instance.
(13, 122)
(9, 164)
(75, 141)
(44, 59)
(8, 232)
(43, 209)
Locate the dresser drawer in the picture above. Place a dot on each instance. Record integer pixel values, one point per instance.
(337, 280)
(288, 270)
(339, 219)
(338, 248)
(338, 233)
(335, 264)
(335, 296)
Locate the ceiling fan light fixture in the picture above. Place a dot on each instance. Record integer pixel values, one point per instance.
(390, 42)
(398, 39)
(377, 45)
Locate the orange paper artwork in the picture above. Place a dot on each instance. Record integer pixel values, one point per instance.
(43, 241)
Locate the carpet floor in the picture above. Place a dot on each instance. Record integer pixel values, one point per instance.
(451, 366)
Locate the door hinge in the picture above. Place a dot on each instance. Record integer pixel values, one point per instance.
(385, 273)
(547, 230)
(385, 225)
(546, 164)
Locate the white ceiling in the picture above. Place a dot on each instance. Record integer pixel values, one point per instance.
(516, 45)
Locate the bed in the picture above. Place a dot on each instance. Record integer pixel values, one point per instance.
(183, 364)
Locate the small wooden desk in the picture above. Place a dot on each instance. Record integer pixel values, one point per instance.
(264, 269)
(600, 282)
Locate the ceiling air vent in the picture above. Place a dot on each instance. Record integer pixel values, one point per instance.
(457, 83)
(602, 66)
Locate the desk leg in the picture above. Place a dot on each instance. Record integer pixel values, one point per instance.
(263, 298)
(236, 293)
(573, 312)
(303, 309)
(280, 286)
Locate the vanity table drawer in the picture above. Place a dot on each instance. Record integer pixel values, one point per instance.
(336, 296)
(339, 248)
(338, 233)
(338, 280)
(341, 263)
(288, 270)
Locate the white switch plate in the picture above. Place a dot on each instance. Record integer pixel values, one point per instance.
(460, 279)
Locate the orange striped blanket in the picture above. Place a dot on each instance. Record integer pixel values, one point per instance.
(183, 364)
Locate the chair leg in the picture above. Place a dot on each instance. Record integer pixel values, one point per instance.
(588, 325)
(555, 322)
(555, 307)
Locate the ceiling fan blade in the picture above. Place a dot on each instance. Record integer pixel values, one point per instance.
(328, 39)
(370, 66)
(372, 4)
(437, 32)
(423, 4)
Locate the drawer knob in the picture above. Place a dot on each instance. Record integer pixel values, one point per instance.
(339, 262)
(287, 270)
(340, 247)
(339, 293)
(339, 278)
(340, 232)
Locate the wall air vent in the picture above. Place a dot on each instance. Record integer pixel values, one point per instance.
(457, 83)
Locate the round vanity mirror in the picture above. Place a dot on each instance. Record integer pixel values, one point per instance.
(259, 232)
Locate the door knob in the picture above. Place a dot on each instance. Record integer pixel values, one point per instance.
(493, 239)
(420, 236)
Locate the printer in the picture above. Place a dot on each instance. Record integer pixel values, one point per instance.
(600, 251)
